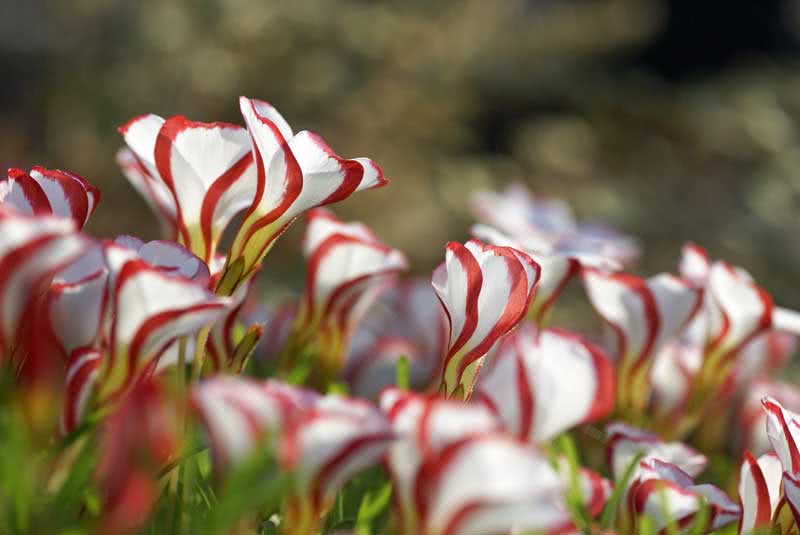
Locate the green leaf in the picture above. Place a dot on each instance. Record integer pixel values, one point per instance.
(609, 516)
(402, 373)
(580, 514)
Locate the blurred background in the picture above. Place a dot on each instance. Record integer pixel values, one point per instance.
(672, 119)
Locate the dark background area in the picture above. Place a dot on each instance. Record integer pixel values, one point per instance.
(674, 120)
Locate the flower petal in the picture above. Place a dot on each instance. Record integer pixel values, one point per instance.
(542, 384)
(485, 484)
(81, 376)
(783, 430)
(152, 190)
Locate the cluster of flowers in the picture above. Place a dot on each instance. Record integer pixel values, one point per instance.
(457, 386)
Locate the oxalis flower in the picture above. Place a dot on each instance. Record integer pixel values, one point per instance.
(485, 291)
(737, 336)
(151, 308)
(295, 172)
(32, 249)
(322, 441)
(240, 415)
(137, 439)
(738, 312)
(49, 191)
(406, 321)
(661, 485)
(439, 491)
(669, 496)
(347, 268)
(486, 484)
(642, 315)
(769, 487)
(540, 384)
(551, 227)
(207, 167)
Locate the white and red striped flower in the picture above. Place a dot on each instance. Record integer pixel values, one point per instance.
(151, 308)
(407, 321)
(752, 417)
(541, 384)
(81, 378)
(783, 430)
(644, 314)
(738, 311)
(239, 414)
(137, 440)
(78, 298)
(425, 424)
(207, 167)
(155, 193)
(668, 495)
(347, 268)
(295, 172)
(32, 249)
(324, 447)
(488, 483)
(550, 227)
(556, 269)
(485, 291)
(624, 443)
(661, 484)
(50, 191)
(760, 492)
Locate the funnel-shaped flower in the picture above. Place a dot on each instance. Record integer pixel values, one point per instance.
(485, 484)
(295, 172)
(485, 291)
(542, 384)
(347, 267)
(151, 308)
(407, 321)
(238, 414)
(550, 227)
(32, 249)
(325, 446)
(668, 495)
(644, 315)
(50, 191)
(425, 425)
(137, 440)
(207, 167)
